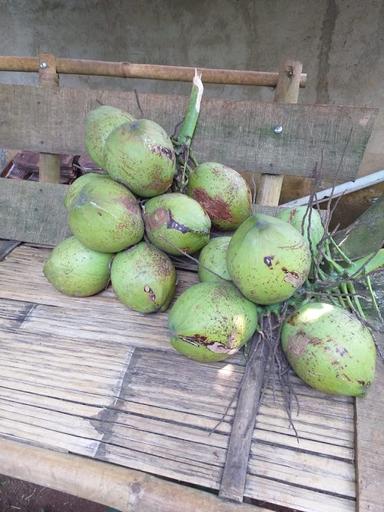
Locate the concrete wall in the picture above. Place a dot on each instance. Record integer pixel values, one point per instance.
(340, 42)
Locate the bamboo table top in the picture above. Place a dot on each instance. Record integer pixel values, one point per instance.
(90, 377)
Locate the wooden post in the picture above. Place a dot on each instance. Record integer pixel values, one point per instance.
(287, 91)
(49, 165)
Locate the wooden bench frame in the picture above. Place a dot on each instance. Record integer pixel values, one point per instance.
(25, 108)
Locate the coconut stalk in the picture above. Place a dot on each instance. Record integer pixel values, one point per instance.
(183, 140)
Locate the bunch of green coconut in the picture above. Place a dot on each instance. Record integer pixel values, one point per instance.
(129, 222)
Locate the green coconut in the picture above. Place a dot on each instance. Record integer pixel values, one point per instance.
(213, 257)
(144, 278)
(75, 270)
(141, 156)
(99, 123)
(210, 321)
(222, 192)
(104, 215)
(308, 223)
(75, 188)
(175, 222)
(268, 259)
(330, 349)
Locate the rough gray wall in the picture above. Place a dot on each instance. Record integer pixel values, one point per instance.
(340, 42)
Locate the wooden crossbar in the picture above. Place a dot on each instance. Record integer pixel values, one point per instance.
(238, 133)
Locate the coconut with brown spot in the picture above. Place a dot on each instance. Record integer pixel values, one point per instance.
(330, 349)
(268, 259)
(141, 156)
(104, 215)
(176, 223)
(222, 192)
(144, 278)
(211, 321)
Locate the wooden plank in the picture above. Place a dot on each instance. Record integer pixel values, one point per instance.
(13, 313)
(27, 210)
(295, 497)
(49, 165)
(32, 211)
(269, 189)
(235, 470)
(370, 445)
(304, 469)
(6, 247)
(238, 133)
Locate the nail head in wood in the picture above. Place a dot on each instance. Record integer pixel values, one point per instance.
(278, 129)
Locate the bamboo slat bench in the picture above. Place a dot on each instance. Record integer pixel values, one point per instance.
(93, 400)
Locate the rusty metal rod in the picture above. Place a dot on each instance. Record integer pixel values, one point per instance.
(150, 71)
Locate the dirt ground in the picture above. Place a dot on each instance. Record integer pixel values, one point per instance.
(19, 496)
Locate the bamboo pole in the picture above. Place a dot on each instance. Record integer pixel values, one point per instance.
(287, 91)
(149, 71)
(49, 165)
(13, 63)
(124, 489)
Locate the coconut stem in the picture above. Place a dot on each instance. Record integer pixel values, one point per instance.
(183, 141)
(340, 251)
(373, 296)
(188, 126)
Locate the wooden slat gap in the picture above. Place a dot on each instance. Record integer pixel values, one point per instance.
(7, 246)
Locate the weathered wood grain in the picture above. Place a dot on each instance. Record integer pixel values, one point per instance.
(32, 211)
(237, 133)
(6, 247)
(91, 377)
(370, 446)
(296, 498)
(235, 469)
(304, 469)
(113, 429)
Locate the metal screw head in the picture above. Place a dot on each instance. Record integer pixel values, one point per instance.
(43, 65)
(278, 129)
